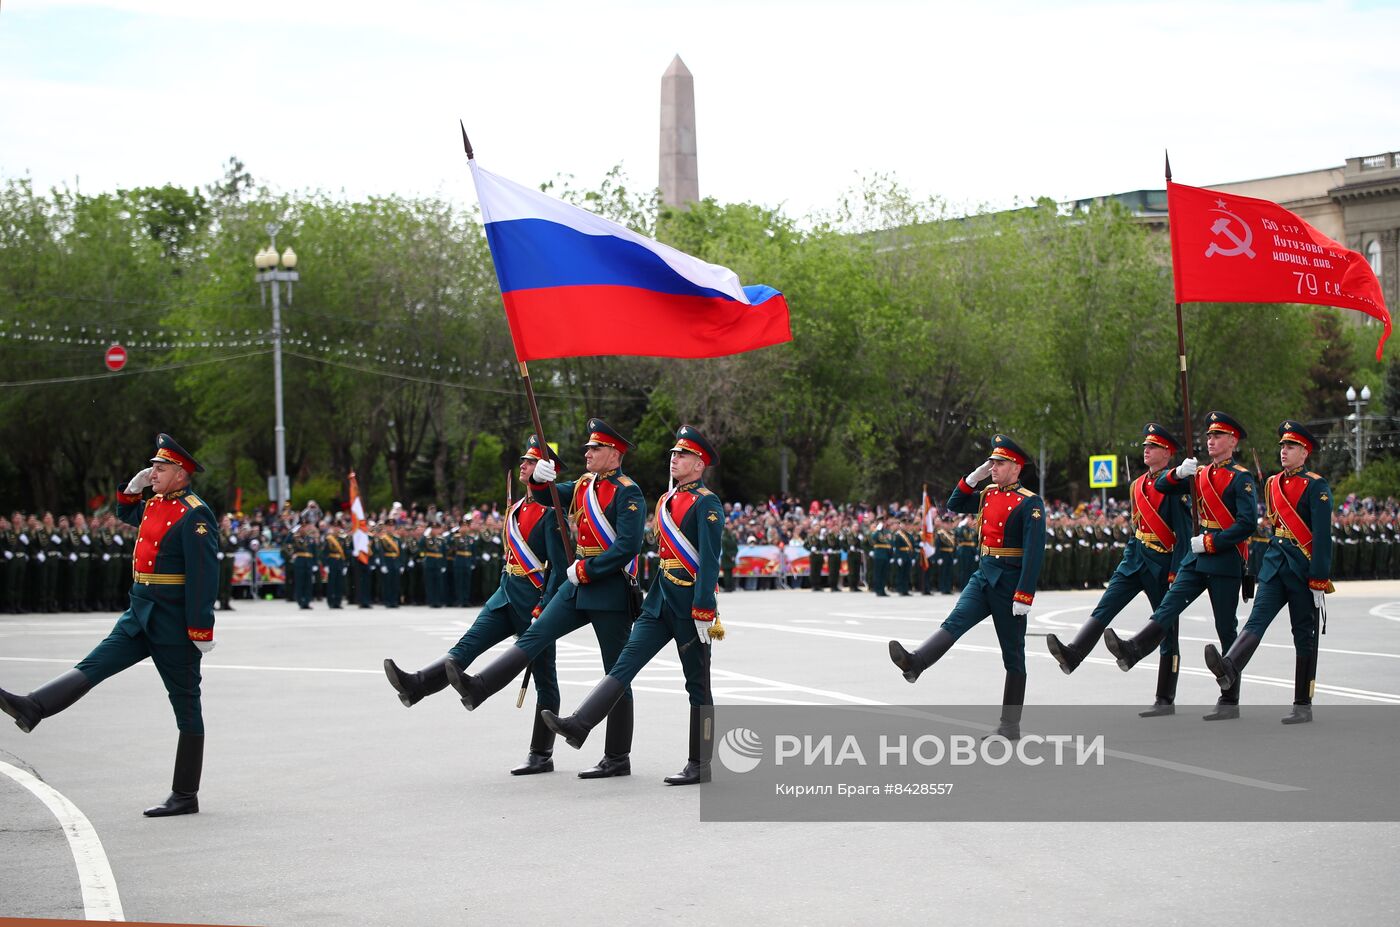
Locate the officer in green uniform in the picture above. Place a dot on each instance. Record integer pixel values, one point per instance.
(1148, 566)
(1296, 570)
(532, 574)
(463, 559)
(303, 548)
(433, 553)
(966, 534)
(490, 555)
(609, 513)
(170, 620)
(333, 554)
(728, 556)
(388, 551)
(1227, 507)
(8, 544)
(80, 540)
(903, 545)
(946, 556)
(1012, 520)
(839, 543)
(679, 607)
(228, 546)
(881, 545)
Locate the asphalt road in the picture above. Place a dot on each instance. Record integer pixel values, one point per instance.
(326, 802)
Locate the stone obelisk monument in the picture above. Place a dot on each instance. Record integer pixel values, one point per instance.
(679, 177)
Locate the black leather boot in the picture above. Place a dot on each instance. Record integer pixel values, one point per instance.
(1165, 702)
(414, 687)
(1129, 652)
(617, 745)
(1070, 655)
(541, 758)
(45, 701)
(1227, 669)
(493, 677)
(1304, 674)
(1013, 698)
(589, 713)
(184, 787)
(702, 747)
(924, 656)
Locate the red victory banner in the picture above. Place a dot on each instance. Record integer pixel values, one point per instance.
(1236, 249)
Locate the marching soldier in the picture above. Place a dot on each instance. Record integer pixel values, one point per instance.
(609, 514)
(1296, 570)
(1148, 566)
(1225, 502)
(170, 619)
(680, 606)
(534, 553)
(1012, 527)
(880, 547)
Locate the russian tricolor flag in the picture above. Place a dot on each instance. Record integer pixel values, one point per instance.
(576, 285)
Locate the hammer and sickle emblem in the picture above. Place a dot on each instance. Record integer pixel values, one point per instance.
(1222, 227)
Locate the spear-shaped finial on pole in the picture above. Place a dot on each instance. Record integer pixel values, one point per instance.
(467, 143)
(1165, 155)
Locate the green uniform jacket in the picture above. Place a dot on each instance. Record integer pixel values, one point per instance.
(607, 583)
(177, 536)
(703, 525)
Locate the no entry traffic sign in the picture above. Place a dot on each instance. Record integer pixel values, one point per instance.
(115, 357)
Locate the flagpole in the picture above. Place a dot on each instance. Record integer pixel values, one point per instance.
(1185, 385)
(564, 534)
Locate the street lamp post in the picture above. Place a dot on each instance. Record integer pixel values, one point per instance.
(1358, 400)
(271, 279)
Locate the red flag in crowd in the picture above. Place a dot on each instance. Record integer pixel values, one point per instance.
(359, 538)
(1236, 249)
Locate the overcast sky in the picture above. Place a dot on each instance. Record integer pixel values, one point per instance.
(973, 102)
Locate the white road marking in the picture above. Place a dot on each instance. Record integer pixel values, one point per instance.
(100, 899)
(1390, 611)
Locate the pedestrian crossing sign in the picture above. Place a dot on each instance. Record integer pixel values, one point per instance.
(1103, 471)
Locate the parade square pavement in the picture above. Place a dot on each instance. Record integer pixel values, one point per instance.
(325, 801)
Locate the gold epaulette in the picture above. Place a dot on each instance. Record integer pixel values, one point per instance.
(1241, 468)
(623, 480)
(1316, 476)
(1025, 492)
(702, 491)
(191, 500)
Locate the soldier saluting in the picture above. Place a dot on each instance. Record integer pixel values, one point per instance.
(1296, 570)
(680, 606)
(1226, 506)
(1161, 524)
(1011, 522)
(175, 577)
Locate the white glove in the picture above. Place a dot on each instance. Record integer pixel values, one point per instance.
(571, 574)
(1198, 544)
(73, 557)
(106, 557)
(139, 482)
(384, 569)
(1186, 468)
(1319, 597)
(702, 628)
(204, 646)
(544, 472)
(219, 555)
(9, 555)
(980, 474)
(40, 556)
(87, 540)
(1020, 609)
(410, 564)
